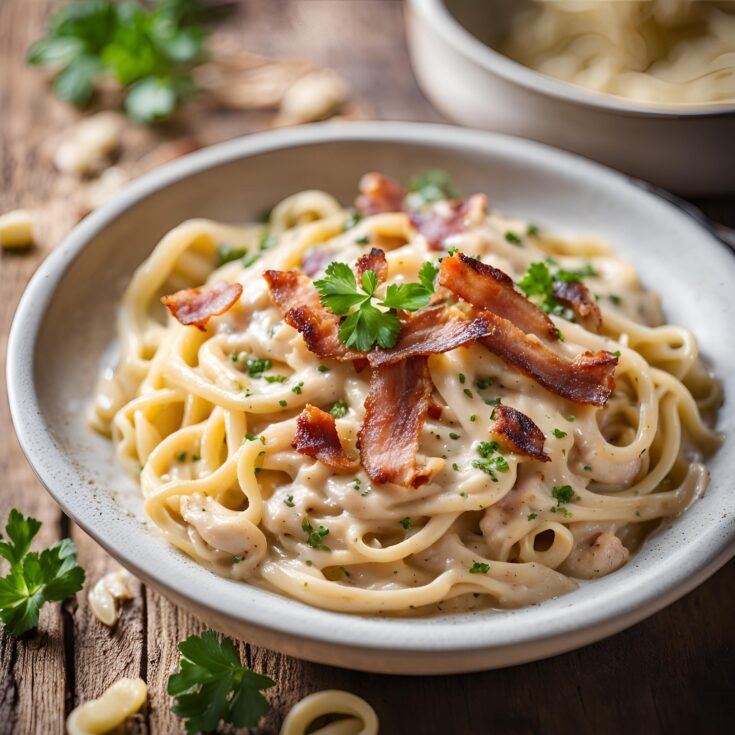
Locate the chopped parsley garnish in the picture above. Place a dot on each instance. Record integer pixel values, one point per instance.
(406, 523)
(484, 383)
(255, 437)
(587, 468)
(513, 239)
(532, 516)
(364, 240)
(532, 230)
(462, 378)
(283, 403)
(455, 466)
(367, 325)
(195, 457)
(212, 686)
(275, 378)
(467, 392)
(563, 494)
(289, 501)
(339, 409)
(538, 285)
(353, 219)
(491, 462)
(479, 567)
(431, 186)
(267, 240)
(297, 388)
(453, 435)
(257, 366)
(473, 417)
(617, 300)
(181, 457)
(250, 259)
(226, 253)
(34, 578)
(234, 358)
(616, 353)
(492, 401)
(323, 369)
(314, 538)
(559, 434)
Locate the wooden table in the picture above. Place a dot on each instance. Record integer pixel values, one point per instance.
(672, 673)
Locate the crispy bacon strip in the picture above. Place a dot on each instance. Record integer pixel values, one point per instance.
(299, 301)
(373, 261)
(316, 436)
(395, 409)
(431, 332)
(577, 296)
(489, 288)
(589, 378)
(195, 307)
(519, 433)
(436, 227)
(379, 193)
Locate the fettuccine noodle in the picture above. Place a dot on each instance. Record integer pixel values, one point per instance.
(665, 51)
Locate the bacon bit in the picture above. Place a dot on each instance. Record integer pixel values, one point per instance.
(432, 332)
(374, 261)
(588, 379)
(379, 193)
(437, 228)
(299, 301)
(315, 261)
(577, 296)
(395, 409)
(316, 436)
(487, 287)
(435, 409)
(518, 433)
(195, 307)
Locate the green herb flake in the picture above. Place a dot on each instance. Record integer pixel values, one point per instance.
(283, 403)
(513, 239)
(406, 523)
(257, 366)
(364, 240)
(226, 254)
(467, 392)
(473, 417)
(532, 230)
(431, 186)
(297, 388)
(453, 435)
(323, 369)
(479, 567)
(532, 516)
(339, 409)
(181, 457)
(559, 434)
(314, 538)
(275, 378)
(288, 502)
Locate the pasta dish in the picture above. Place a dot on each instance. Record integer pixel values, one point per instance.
(665, 51)
(412, 405)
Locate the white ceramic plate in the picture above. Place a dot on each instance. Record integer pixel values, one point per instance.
(65, 324)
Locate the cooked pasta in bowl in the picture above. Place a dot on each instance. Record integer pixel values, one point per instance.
(401, 407)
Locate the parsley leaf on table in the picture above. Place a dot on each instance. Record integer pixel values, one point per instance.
(148, 51)
(213, 686)
(367, 324)
(34, 578)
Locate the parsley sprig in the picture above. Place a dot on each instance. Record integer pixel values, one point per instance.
(538, 284)
(491, 461)
(365, 325)
(213, 686)
(431, 186)
(34, 578)
(149, 52)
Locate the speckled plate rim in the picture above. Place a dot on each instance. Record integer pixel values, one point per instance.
(454, 33)
(435, 645)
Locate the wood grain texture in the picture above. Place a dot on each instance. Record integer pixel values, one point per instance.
(672, 673)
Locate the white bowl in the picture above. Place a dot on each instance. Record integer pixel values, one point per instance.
(65, 323)
(683, 148)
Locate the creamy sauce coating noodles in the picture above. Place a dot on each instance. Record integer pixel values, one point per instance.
(205, 420)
